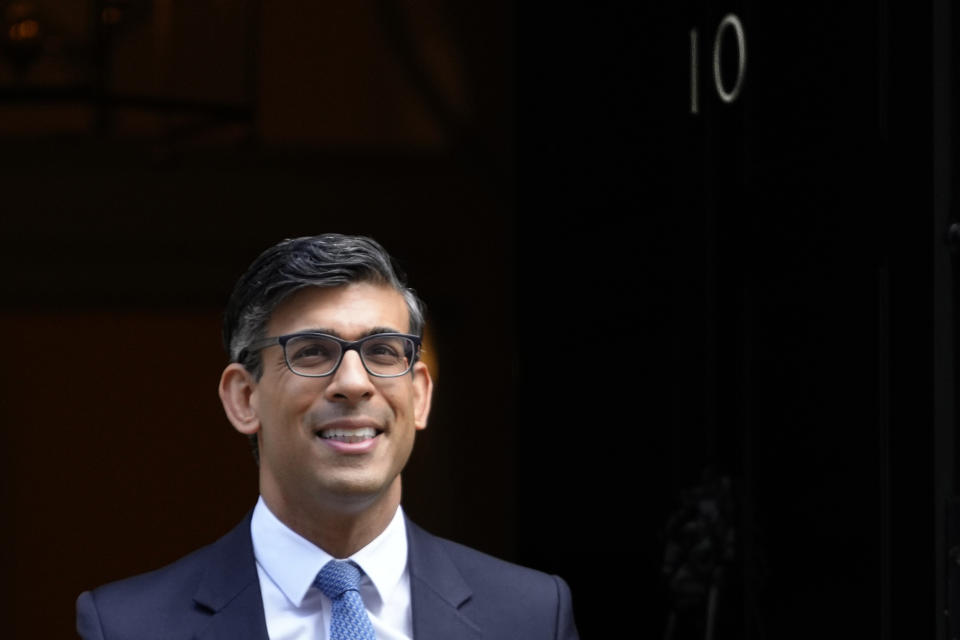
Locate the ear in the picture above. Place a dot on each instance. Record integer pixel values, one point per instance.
(236, 392)
(422, 394)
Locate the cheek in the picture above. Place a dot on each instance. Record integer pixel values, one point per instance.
(401, 399)
(279, 407)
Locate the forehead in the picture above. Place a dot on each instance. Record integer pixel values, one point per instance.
(349, 311)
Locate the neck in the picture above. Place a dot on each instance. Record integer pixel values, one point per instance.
(341, 528)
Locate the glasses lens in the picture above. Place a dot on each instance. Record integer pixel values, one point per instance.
(387, 355)
(312, 355)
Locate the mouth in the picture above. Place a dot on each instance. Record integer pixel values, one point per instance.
(349, 436)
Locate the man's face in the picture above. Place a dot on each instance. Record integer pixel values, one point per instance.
(372, 420)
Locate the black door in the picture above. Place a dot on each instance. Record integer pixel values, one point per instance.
(736, 371)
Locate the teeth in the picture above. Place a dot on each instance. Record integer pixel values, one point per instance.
(349, 435)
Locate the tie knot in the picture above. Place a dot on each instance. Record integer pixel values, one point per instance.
(338, 577)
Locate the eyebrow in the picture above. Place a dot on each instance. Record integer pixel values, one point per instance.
(337, 334)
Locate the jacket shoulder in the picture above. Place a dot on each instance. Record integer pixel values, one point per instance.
(477, 565)
(509, 599)
(176, 578)
(168, 601)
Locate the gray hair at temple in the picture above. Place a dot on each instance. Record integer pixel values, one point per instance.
(328, 260)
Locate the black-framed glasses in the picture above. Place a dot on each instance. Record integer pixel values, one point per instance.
(315, 355)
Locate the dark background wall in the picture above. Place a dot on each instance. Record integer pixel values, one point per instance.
(727, 334)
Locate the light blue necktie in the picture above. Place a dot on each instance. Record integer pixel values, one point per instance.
(338, 580)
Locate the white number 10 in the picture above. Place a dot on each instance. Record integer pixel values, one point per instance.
(730, 21)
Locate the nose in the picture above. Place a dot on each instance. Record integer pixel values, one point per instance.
(350, 382)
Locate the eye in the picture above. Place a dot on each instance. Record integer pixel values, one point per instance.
(308, 349)
(384, 350)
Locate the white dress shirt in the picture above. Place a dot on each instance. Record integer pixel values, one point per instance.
(287, 563)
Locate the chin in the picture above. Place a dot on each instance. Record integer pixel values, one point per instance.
(356, 489)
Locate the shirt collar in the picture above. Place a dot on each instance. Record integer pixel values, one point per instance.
(292, 562)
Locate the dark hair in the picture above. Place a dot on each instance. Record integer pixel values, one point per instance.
(328, 260)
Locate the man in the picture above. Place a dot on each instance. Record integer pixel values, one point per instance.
(325, 379)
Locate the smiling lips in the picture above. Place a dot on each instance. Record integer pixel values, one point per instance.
(350, 436)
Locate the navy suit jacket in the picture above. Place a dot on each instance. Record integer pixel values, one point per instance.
(214, 594)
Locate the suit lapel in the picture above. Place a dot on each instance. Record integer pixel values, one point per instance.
(230, 589)
(438, 591)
